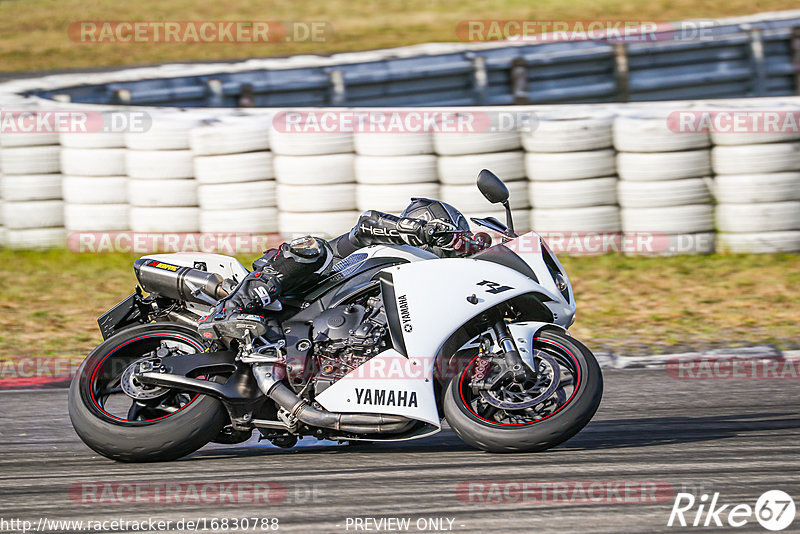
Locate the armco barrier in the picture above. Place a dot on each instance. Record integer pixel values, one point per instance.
(581, 164)
(752, 56)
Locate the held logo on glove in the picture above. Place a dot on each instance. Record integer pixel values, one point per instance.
(379, 231)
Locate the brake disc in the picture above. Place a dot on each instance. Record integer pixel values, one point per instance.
(518, 396)
(136, 390)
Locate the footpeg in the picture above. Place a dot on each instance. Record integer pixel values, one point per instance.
(268, 353)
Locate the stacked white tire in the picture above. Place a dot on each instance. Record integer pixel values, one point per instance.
(757, 189)
(474, 132)
(2, 222)
(2, 226)
(570, 165)
(392, 168)
(579, 170)
(481, 140)
(30, 188)
(162, 190)
(663, 187)
(235, 176)
(95, 184)
(489, 144)
(468, 200)
(316, 183)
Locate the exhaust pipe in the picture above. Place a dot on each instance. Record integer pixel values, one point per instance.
(184, 317)
(269, 382)
(180, 283)
(345, 422)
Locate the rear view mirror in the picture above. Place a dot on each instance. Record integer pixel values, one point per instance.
(492, 187)
(496, 192)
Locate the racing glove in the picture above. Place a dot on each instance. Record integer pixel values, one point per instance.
(417, 232)
(256, 291)
(375, 227)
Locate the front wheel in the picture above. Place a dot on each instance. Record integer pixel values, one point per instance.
(489, 411)
(127, 421)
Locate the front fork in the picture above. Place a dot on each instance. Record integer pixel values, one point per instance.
(519, 371)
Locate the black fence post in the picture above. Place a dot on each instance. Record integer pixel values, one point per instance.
(622, 72)
(215, 98)
(247, 96)
(122, 96)
(757, 60)
(519, 81)
(480, 79)
(338, 89)
(794, 43)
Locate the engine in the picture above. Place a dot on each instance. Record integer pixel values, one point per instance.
(347, 336)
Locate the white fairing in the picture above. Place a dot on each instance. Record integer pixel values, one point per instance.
(431, 298)
(531, 247)
(389, 383)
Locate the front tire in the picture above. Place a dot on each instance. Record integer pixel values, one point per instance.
(179, 425)
(566, 420)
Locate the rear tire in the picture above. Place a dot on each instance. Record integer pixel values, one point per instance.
(537, 435)
(156, 440)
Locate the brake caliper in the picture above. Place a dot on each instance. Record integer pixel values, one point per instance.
(482, 366)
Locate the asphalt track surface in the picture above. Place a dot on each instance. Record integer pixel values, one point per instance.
(736, 437)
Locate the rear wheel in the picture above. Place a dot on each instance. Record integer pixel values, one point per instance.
(127, 421)
(489, 410)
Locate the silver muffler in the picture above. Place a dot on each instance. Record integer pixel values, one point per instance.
(181, 283)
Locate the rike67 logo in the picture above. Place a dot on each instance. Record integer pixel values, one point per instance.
(774, 510)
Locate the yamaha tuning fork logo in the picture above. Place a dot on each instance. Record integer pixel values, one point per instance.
(405, 315)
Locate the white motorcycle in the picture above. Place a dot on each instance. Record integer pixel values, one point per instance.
(390, 343)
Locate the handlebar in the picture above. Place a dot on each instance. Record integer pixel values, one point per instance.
(463, 242)
(467, 243)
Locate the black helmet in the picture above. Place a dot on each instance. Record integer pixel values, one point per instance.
(435, 210)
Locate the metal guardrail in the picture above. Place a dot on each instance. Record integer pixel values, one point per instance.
(760, 58)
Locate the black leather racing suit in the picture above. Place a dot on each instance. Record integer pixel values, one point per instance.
(298, 264)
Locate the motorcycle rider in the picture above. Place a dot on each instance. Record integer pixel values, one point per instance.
(294, 266)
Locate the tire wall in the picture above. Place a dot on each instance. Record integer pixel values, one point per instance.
(31, 201)
(586, 169)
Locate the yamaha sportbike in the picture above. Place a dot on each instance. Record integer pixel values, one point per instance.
(390, 343)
